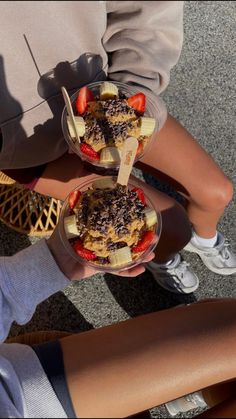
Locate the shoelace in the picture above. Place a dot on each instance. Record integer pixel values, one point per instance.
(225, 251)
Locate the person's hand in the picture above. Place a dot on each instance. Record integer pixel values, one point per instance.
(74, 270)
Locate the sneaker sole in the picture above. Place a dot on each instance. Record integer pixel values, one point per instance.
(172, 290)
(224, 271)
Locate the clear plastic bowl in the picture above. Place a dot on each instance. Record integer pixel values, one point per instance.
(124, 89)
(66, 211)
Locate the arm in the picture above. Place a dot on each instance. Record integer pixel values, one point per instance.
(36, 273)
(26, 279)
(143, 40)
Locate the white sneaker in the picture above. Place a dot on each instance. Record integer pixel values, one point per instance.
(186, 403)
(219, 259)
(175, 277)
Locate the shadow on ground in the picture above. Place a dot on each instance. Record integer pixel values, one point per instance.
(12, 242)
(137, 296)
(47, 317)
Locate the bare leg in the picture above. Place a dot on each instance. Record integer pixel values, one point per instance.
(64, 174)
(176, 154)
(127, 368)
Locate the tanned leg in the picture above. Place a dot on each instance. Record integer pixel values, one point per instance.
(182, 160)
(135, 365)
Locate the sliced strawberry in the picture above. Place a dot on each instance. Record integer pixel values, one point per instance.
(89, 151)
(73, 198)
(137, 102)
(140, 194)
(140, 148)
(144, 242)
(85, 95)
(82, 252)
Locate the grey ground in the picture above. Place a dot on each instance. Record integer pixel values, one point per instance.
(202, 96)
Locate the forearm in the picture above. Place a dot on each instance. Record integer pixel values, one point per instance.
(26, 279)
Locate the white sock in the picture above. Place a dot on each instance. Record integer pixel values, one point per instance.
(200, 241)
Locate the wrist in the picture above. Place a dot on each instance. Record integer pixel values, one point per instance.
(61, 258)
(67, 265)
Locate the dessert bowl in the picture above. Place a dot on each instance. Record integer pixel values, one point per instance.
(106, 113)
(108, 226)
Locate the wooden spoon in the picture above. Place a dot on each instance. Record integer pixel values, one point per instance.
(70, 111)
(127, 160)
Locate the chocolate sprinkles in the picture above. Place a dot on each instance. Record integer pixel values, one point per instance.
(101, 128)
(101, 209)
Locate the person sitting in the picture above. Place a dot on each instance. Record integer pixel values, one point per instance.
(114, 371)
(131, 42)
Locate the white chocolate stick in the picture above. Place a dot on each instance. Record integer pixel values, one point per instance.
(127, 160)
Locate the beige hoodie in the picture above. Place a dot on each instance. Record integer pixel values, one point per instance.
(47, 44)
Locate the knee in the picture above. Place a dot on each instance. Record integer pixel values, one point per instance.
(217, 196)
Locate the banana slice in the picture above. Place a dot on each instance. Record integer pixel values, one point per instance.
(120, 257)
(147, 126)
(80, 124)
(108, 91)
(150, 217)
(103, 184)
(70, 226)
(110, 155)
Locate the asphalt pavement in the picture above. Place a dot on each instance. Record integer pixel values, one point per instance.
(201, 95)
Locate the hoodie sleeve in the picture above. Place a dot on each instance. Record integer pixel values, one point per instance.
(26, 279)
(143, 41)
